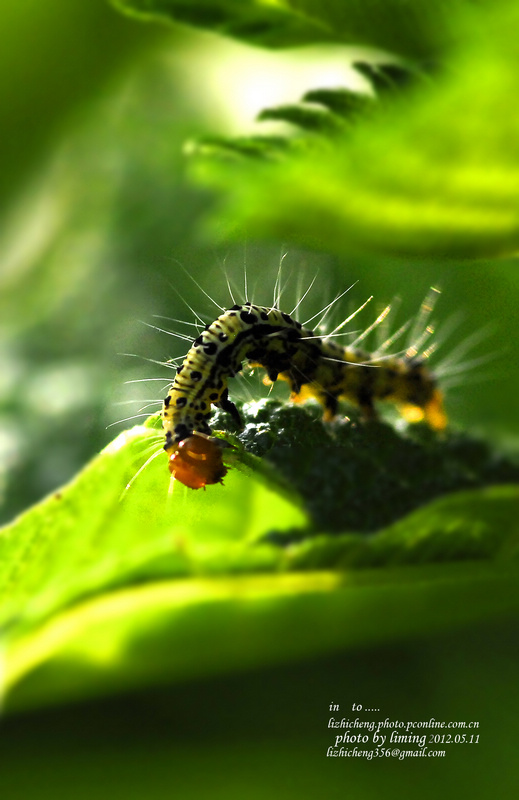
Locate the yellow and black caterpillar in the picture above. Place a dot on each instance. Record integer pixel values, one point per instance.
(313, 365)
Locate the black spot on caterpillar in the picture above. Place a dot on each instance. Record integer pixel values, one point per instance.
(313, 365)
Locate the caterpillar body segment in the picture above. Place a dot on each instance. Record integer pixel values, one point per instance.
(313, 366)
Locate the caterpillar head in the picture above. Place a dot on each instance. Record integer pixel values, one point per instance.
(197, 462)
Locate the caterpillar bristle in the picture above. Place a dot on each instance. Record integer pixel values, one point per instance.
(177, 335)
(324, 311)
(128, 419)
(141, 470)
(452, 361)
(170, 364)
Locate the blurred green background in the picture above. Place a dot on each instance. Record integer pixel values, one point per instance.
(98, 209)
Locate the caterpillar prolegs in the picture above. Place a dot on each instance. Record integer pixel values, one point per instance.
(313, 365)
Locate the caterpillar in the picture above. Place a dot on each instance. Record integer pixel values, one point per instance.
(313, 365)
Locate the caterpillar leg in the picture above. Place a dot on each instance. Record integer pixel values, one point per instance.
(227, 405)
(331, 406)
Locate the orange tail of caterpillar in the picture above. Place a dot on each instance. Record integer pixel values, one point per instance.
(314, 366)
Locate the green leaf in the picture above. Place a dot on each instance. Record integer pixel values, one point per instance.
(175, 629)
(417, 29)
(95, 533)
(240, 147)
(353, 476)
(433, 171)
(310, 119)
(479, 524)
(113, 583)
(343, 102)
